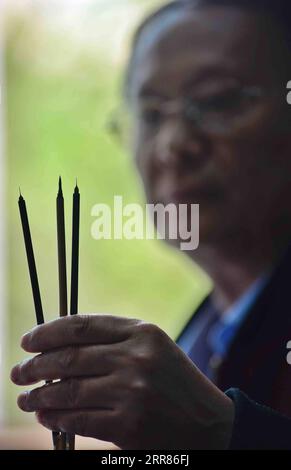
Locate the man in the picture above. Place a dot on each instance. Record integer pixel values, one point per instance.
(206, 86)
(228, 65)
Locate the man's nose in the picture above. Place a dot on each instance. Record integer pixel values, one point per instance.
(180, 143)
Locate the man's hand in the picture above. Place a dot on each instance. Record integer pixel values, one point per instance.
(122, 381)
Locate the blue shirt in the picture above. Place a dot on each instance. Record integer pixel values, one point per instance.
(224, 328)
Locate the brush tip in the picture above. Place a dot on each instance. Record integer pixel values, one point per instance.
(76, 187)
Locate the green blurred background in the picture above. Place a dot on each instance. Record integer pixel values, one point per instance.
(64, 64)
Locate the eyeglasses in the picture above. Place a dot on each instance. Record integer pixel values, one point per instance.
(220, 113)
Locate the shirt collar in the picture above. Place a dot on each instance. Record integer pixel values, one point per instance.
(225, 328)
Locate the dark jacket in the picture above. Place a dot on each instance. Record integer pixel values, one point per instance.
(256, 362)
(257, 427)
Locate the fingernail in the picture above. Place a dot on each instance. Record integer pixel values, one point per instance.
(14, 375)
(25, 340)
(22, 401)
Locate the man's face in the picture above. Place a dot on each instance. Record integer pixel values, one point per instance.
(241, 175)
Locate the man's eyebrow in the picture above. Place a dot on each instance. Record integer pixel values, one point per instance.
(205, 73)
(146, 91)
(212, 72)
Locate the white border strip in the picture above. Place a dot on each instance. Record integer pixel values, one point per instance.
(2, 220)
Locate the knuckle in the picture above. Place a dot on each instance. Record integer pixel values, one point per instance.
(139, 387)
(66, 360)
(80, 325)
(142, 359)
(72, 392)
(150, 330)
(47, 397)
(29, 368)
(139, 360)
(133, 324)
(135, 390)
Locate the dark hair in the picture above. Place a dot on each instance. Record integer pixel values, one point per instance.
(277, 10)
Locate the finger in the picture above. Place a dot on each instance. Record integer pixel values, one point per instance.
(77, 330)
(100, 424)
(68, 362)
(72, 394)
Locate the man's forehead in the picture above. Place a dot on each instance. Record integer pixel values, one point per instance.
(196, 26)
(183, 71)
(208, 40)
